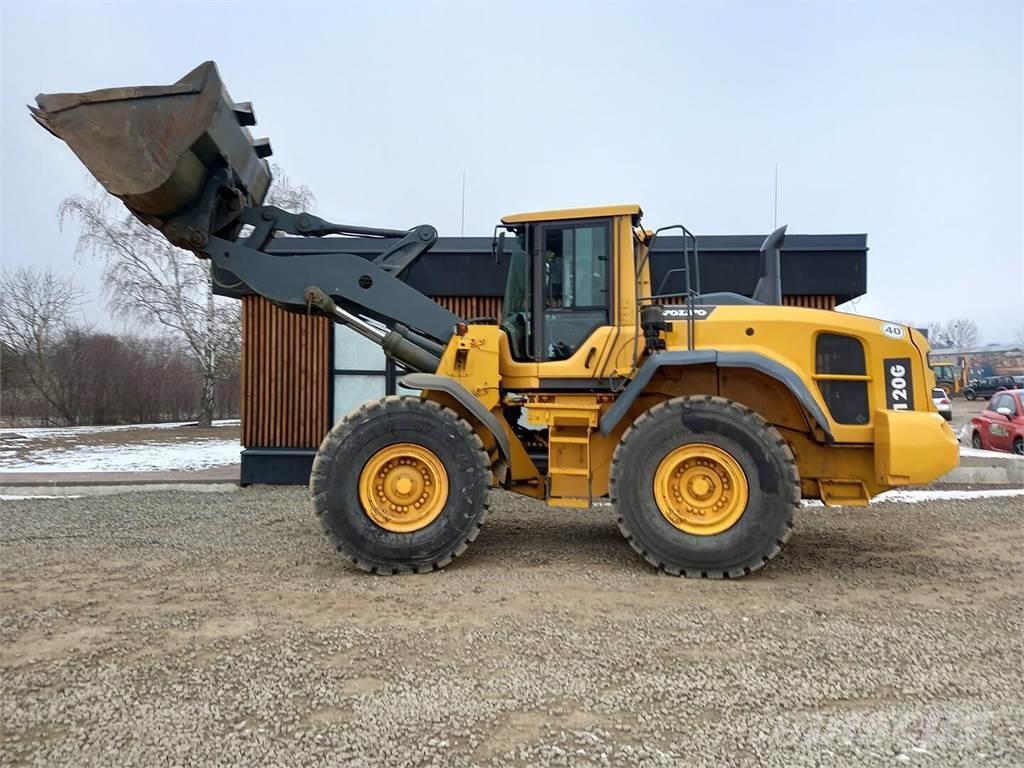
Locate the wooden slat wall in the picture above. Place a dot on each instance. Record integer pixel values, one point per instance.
(468, 307)
(490, 306)
(285, 375)
(811, 302)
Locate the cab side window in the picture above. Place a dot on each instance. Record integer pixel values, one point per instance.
(575, 262)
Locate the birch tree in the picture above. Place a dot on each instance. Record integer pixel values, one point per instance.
(149, 280)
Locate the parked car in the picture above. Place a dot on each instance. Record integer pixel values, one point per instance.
(942, 403)
(1000, 427)
(988, 386)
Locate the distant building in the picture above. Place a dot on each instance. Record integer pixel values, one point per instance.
(978, 362)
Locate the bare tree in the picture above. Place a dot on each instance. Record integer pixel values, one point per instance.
(935, 335)
(958, 333)
(37, 325)
(289, 196)
(148, 279)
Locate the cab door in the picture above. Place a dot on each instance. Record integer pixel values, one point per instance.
(572, 296)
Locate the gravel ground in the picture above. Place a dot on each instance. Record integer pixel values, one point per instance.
(177, 629)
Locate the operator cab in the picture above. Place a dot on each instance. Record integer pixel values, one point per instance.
(560, 277)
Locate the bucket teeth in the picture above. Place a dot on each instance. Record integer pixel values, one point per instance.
(244, 113)
(262, 148)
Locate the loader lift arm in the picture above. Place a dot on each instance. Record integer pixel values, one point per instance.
(371, 288)
(214, 228)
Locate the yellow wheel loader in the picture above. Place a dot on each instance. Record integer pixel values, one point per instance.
(704, 418)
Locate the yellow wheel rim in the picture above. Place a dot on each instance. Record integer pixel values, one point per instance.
(403, 487)
(701, 489)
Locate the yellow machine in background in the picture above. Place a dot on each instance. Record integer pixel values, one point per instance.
(950, 373)
(704, 418)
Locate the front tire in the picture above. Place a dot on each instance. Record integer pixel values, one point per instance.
(401, 485)
(704, 487)
(976, 441)
(970, 394)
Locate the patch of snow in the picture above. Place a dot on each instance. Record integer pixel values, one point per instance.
(912, 496)
(14, 497)
(979, 453)
(917, 495)
(192, 455)
(33, 432)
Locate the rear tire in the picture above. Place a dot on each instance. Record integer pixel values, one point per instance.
(403, 438)
(718, 428)
(1018, 446)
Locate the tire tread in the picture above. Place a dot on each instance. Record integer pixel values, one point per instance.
(337, 435)
(757, 424)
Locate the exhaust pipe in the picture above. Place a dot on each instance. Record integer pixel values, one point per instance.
(162, 149)
(769, 285)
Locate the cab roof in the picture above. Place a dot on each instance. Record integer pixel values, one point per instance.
(631, 209)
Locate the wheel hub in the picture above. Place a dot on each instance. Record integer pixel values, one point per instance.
(701, 489)
(403, 487)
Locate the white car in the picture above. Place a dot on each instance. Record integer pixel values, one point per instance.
(942, 403)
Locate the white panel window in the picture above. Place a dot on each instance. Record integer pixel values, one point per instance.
(352, 351)
(360, 369)
(352, 390)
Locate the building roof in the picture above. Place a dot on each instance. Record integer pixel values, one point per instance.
(987, 349)
(812, 265)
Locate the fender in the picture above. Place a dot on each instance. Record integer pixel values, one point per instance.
(475, 407)
(751, 360)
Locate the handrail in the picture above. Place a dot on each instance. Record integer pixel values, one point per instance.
(689, 247)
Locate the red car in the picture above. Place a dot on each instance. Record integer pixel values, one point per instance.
(1000, 427)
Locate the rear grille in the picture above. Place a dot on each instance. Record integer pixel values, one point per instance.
(837, 359)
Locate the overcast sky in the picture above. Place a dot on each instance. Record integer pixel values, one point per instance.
(901, 121)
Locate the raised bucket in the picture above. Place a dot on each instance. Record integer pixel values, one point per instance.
(157, 147)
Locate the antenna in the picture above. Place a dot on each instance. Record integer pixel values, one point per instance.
(462, 230)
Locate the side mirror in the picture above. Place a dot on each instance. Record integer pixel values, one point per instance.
(1004, 411)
